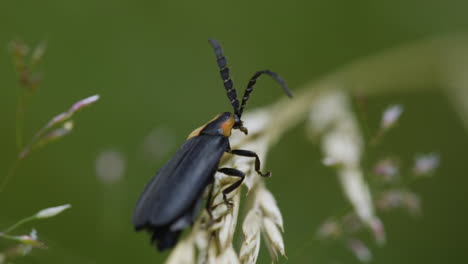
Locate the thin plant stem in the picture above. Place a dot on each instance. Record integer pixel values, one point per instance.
(19, 121)
(3, 235)
(10, 174)
(19, 223)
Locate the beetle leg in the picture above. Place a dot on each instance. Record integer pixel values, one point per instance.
(248, 153)
(232, 187)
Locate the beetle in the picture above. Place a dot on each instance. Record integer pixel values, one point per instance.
(172, 198)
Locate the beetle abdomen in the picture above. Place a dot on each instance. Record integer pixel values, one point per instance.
(171, 199)
(167, 236)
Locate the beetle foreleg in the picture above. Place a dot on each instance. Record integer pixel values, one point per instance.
(232, 187)
(248, 153)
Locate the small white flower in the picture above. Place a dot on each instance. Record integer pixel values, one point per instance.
(52, 211)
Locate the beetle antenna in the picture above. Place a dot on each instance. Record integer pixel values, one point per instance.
(224, 71)
(252, 83)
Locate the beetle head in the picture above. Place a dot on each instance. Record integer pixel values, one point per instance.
(220, 125)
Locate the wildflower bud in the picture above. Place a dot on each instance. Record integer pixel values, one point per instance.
(390, 116)
(18, 48)
(56, 133)
(400, 199)
(329, 229)
(412, 203)
(83, 103)
(390, 200)
(30, 240)
(388, 169)
(68, 125)
(360, 249)
(52, 211)
(379, 232)
(38, 53)
(68, 114)
(426, 164)
(352, 223)
(57, 119)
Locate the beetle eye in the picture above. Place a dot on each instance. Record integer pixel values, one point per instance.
(237, 121)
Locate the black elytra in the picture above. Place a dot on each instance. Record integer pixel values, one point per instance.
(172, 198)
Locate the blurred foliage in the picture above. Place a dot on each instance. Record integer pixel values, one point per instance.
(152, 65)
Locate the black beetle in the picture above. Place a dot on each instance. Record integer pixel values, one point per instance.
(174, 195)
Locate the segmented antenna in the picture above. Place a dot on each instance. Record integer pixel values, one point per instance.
(253, 81)
(224, 71)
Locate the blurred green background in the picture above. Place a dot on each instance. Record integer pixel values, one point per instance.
(152, 65)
